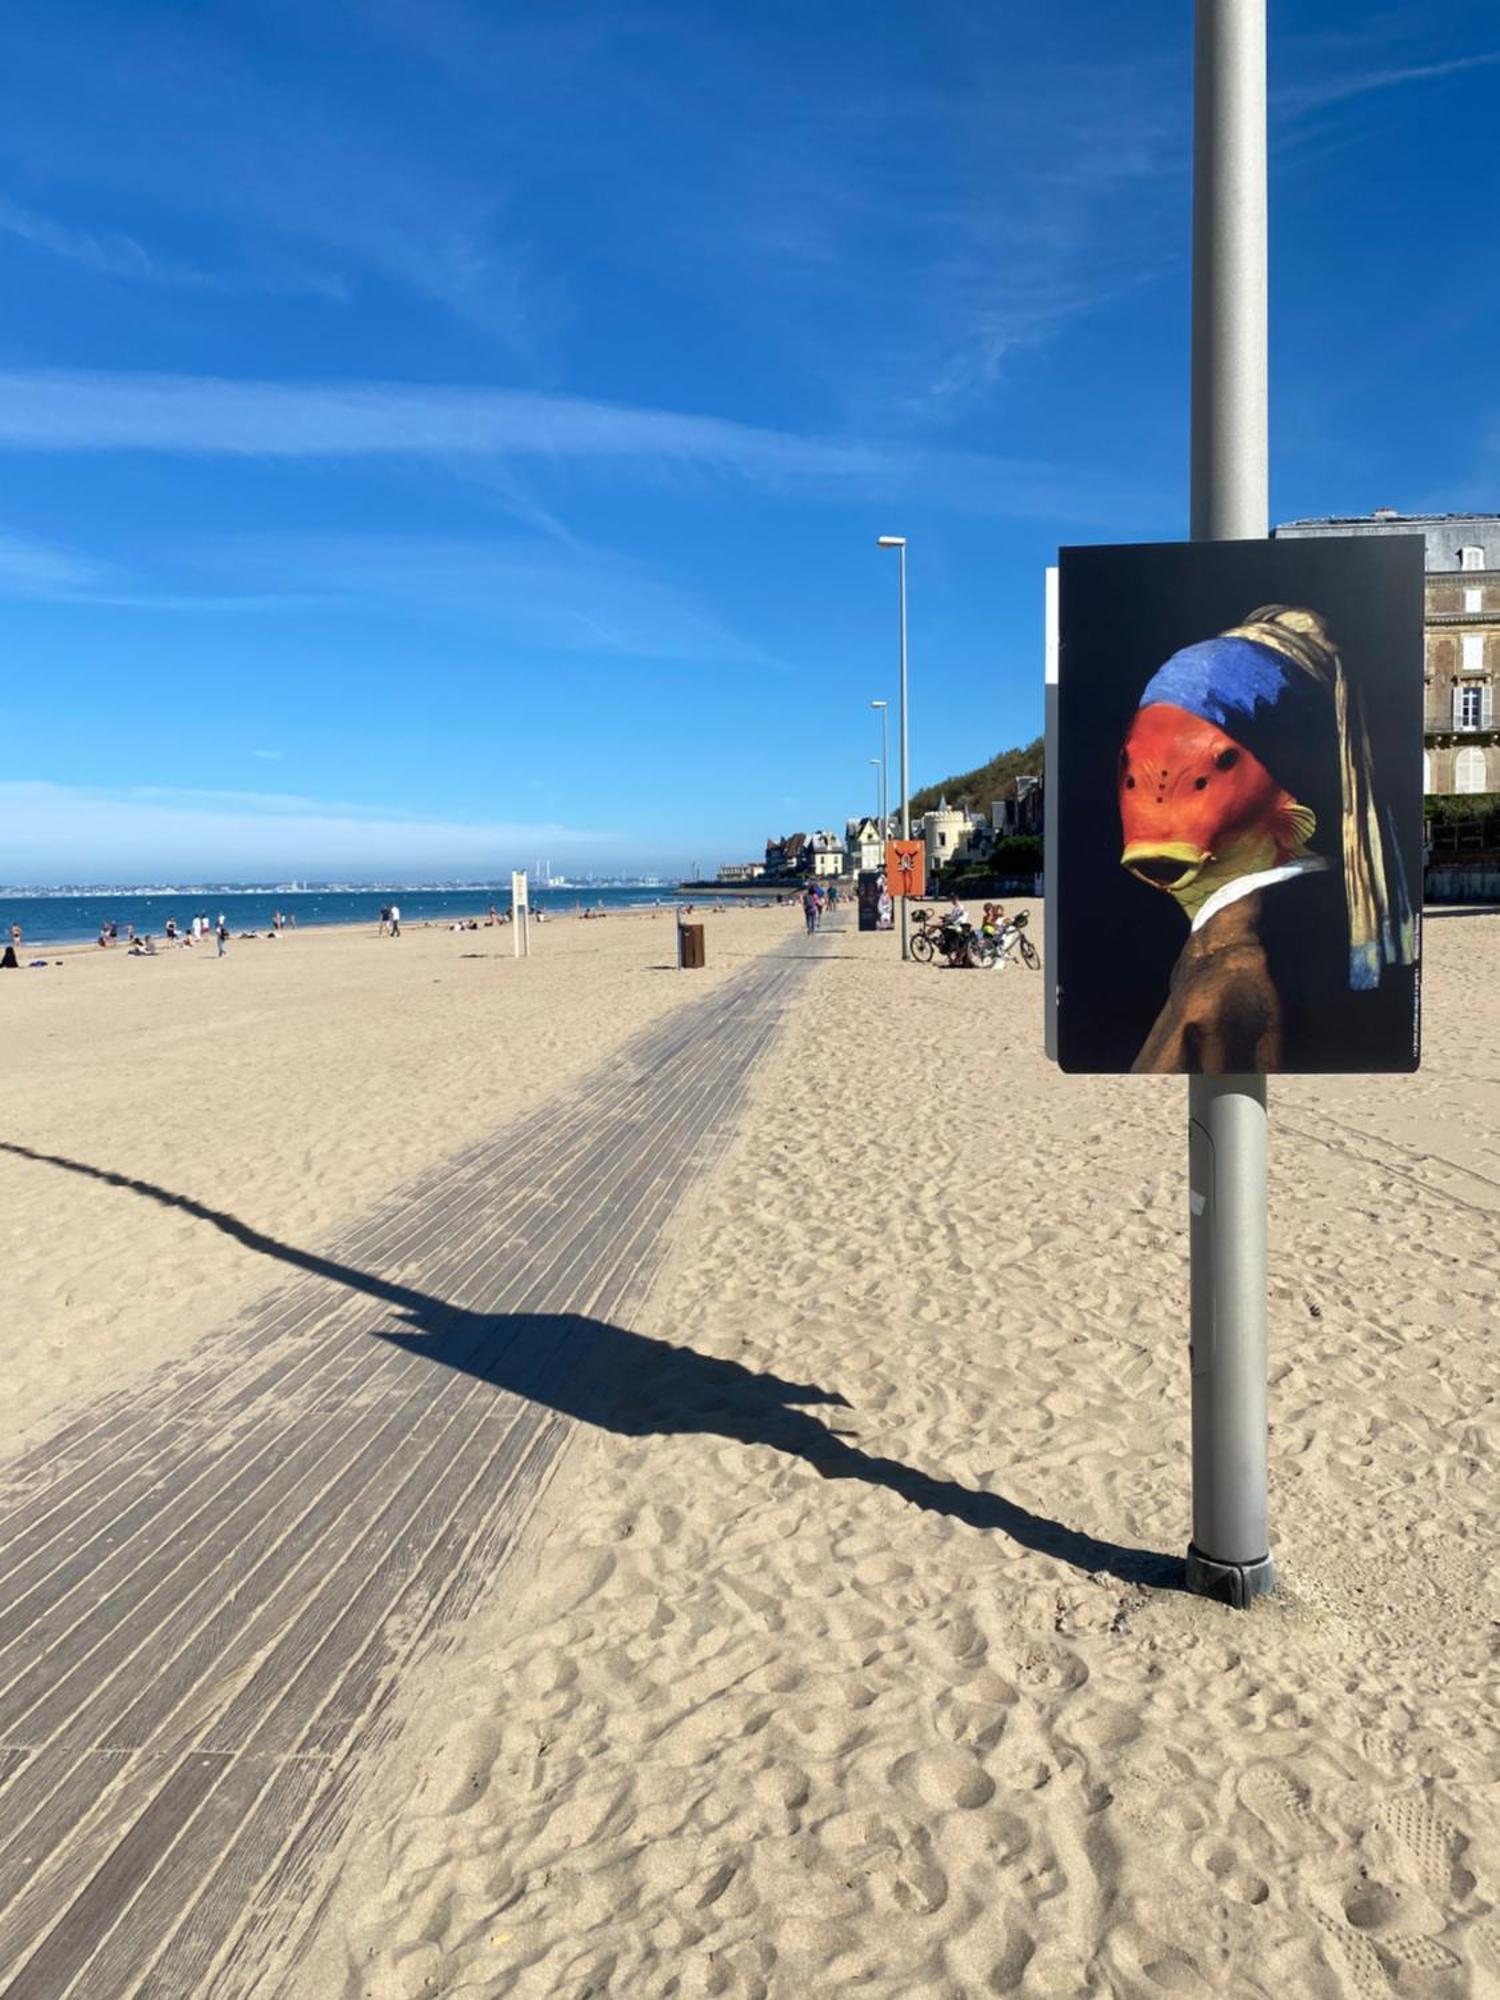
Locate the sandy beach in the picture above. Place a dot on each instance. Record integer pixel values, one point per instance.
(933, 1725)
(894, 1694)
(292, 1086)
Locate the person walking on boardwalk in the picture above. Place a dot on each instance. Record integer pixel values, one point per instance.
(810, 909)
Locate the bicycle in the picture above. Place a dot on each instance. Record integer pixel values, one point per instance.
(1011, 940)
(934, 939)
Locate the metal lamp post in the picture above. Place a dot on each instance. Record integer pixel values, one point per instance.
(1230, 1553)
(898, 542)
(885, 761)
(879, 780)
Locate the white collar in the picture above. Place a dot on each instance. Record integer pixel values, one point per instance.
(1246, 885)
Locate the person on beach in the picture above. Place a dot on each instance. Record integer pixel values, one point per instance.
(223, 936)
(810, 910)
(395, 921)
(385, 919)
(15, 936)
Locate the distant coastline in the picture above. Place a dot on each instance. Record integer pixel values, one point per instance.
(55, 918)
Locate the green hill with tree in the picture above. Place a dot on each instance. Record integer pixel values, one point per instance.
(977, 791)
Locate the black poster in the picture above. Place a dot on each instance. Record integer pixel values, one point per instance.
(1238, 763)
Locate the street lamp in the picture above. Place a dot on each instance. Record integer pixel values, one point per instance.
(885, 752)
(898, 542)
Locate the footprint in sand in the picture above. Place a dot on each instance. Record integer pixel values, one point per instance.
(1280, 1801)
(944, 1776)
(1372, 1933)
(1436, 1846)
(1234, 1880)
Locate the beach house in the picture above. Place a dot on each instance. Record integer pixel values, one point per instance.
(864, 846)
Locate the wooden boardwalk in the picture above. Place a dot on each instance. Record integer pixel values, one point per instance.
(210, 1584)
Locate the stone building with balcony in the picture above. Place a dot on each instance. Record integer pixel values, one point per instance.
(1461, 622)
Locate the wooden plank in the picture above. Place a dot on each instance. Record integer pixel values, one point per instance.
(435, 1546)
(418, 1504)
(280, 1820)
(92, 1651)
(291, 1684)
(72, 1941)
(187, 1866)
(48, 1798)
(229, 1614)
(308, 1296)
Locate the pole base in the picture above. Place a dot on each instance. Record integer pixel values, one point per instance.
(1231, 1583)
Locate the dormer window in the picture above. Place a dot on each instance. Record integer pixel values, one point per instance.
(1471, 558)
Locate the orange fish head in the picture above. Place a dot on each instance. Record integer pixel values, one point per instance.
(1188, 791)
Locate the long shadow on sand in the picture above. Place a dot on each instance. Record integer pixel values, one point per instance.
(637, 1386)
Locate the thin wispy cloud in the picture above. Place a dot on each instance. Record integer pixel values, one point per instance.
(31, 568)
(112, 253)
(155, 833)
(541, 595)
(548, 594)
(212, 417)
(174, 130)
(1319, 93)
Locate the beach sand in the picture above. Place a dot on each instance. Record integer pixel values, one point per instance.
(913, 1710)
(938, 1724)
(290, 1087)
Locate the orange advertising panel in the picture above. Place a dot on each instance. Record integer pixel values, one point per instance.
(905, 868)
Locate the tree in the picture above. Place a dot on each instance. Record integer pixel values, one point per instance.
(977, 790)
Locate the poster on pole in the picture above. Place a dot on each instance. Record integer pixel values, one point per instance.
(1237, 772)
(520, 915)
(905, 868)
(1049, 809)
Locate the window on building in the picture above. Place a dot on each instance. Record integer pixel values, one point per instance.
(1474, 599)
(1471, 558)
(1469, 773)
(1473, 653)
(1471, 707)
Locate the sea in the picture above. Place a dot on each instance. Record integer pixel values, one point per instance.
(66, 919)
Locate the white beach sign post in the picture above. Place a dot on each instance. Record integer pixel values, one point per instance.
(520, 915)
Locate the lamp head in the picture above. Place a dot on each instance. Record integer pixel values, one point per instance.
(880, 704)
(890, 541)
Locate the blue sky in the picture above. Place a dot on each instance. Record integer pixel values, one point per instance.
(435, 433)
